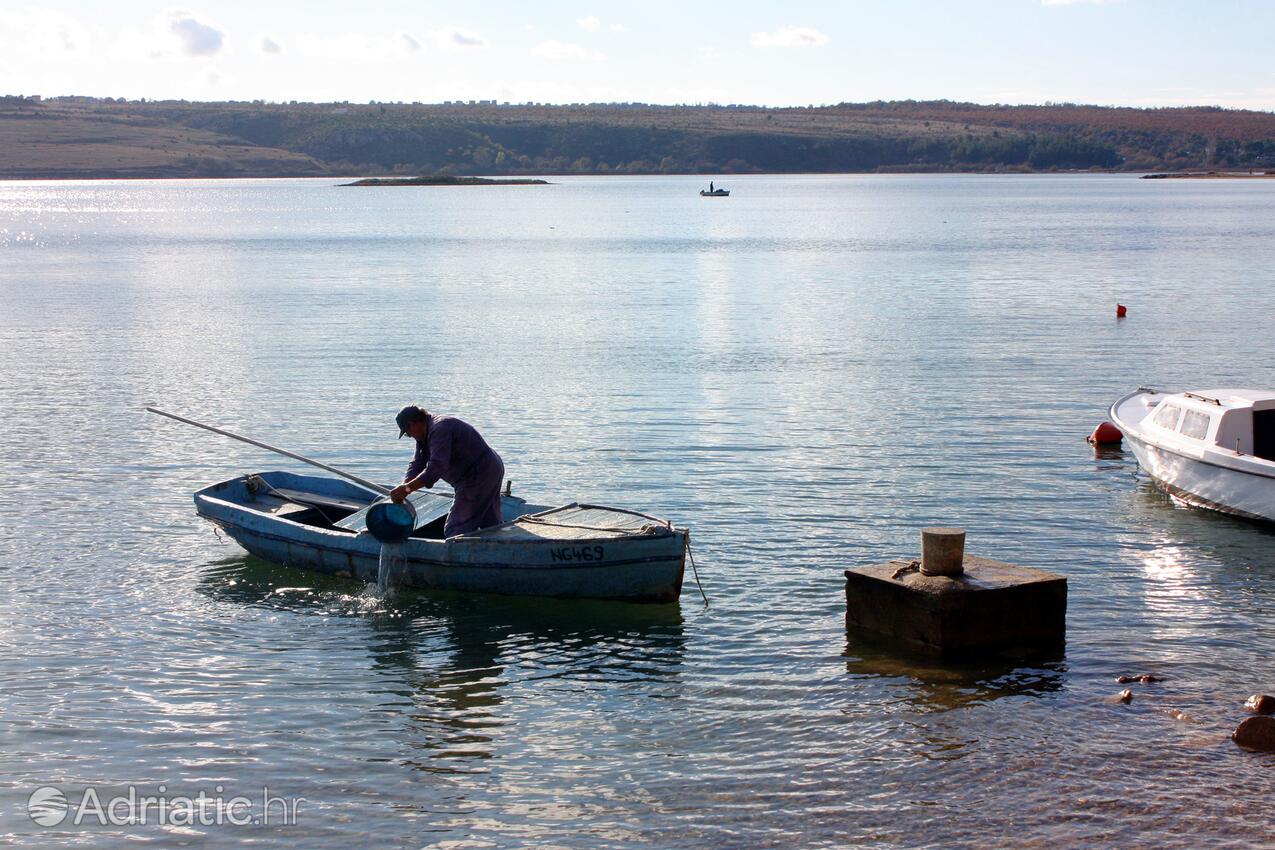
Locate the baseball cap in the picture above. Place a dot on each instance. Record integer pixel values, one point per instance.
(407, 416)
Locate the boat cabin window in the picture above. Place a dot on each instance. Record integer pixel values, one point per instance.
(1195, 424)
(1264, 434)
(1167, 418)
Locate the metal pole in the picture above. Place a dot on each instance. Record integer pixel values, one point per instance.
(362, 482)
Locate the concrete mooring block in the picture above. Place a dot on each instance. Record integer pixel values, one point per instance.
(990, 608)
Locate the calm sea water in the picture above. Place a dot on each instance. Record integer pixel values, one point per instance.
(805, 374)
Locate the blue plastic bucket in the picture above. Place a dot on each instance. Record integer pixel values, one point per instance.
(391, 522)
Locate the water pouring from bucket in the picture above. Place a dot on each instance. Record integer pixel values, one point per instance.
(389, 568)
(391, 523)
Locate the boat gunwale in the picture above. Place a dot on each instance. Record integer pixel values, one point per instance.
(666, 529)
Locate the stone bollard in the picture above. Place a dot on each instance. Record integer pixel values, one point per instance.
(957, 606)
(942, 551)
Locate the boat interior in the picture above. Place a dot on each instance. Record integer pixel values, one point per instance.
(335, 505)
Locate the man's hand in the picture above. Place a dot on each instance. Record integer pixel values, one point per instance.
(399, 493)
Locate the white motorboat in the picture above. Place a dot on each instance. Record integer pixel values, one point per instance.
(1212, 448)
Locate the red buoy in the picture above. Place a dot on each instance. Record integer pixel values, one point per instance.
(1105, 434)
(1120, 311)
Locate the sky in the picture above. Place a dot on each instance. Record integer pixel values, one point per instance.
(797, 52)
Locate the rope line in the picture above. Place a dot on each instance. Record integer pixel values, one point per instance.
(695, 570)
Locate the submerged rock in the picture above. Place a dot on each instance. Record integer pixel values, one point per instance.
(1145, 678)
(1261, 704)
(1256, 733)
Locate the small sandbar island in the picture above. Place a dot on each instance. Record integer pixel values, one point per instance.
(446, 180)
(1212, 175)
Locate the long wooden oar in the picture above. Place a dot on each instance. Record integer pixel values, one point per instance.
(362, 482)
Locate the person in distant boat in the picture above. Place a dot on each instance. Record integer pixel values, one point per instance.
(710, 187)
(453, 451)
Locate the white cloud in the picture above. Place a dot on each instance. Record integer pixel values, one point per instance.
(1077, 2)
(566, 52)
(789, 37)
(268, 44)
(193, 36)
(408, 42)
(456, 37)
(616, 27)
(38, 31)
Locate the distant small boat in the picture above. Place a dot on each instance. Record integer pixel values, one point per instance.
(714, 193)
(1212, 449)
(576, 551)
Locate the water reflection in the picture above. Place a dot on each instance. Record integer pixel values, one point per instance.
(931, 687)
(1178, 544)
(1170, 566)
(1110, 456)
(457, 656)
(930, 698)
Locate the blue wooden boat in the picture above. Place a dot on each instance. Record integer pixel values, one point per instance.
(581, 551)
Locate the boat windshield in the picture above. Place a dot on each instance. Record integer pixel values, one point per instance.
(1167, 417)
(1195, 424)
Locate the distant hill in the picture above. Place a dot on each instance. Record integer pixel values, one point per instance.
(86, 137)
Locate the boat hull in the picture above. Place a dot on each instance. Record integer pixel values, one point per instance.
(1207, 485)
(641, 568)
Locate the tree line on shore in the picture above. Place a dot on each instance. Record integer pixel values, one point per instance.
(639, 139)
